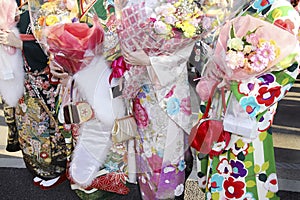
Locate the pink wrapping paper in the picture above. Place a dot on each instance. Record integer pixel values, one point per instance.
(286, 42)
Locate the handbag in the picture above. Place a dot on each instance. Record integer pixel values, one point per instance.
(210, 131)
(238, 121)
(125, 128)
(77, 112)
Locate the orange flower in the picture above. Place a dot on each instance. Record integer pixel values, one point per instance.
(41, 20)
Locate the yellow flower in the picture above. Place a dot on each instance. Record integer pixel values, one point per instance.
(240, 143)
(49, 5)
(247, 49)
(261, 41)
(51, 20)
(277, 50)
(188, 29)
(177, 4)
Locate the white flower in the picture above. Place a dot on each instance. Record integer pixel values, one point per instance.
(165, 9)
(170, 19)
(235, 43)
(272, 183)
(168, 169)
(179, 190)
(161, 28)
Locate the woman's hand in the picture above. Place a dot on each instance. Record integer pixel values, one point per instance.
(56, 70)
(10, 39)
(135, 58)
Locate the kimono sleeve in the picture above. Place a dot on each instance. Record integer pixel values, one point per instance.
(166, 68)
(260, 93)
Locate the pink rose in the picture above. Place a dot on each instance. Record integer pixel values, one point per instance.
(161, 28)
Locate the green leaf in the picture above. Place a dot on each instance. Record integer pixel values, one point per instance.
(215, 195)
(256, 169)
(250, 184)
(232, 156)
(232, 34)
(248, 164)
(270, 195)
(263, 136)
(265, 166)
(251, 149)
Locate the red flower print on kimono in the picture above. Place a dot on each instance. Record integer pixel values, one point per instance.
(286, 24)
(171, 92)
(185, 106)
(267, 95)
(234, 189)
(141, 115)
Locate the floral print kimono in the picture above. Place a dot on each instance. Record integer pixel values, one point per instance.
(161, 106)
(111, 177)
(43, 144)
(163, 114)
(246, 170)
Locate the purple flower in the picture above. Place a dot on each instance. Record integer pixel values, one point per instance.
(238, 169)
(141, 95)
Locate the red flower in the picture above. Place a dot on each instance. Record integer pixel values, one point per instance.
(234, 189)
(267, 95)
(75, 44)
(44, 155)
(286, 24)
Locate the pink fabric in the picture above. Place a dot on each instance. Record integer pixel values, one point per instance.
(204, 88)
(119, 67)
(7, 19)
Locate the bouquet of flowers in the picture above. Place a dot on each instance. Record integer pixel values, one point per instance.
(243, 52)
(65, 31)
(171, 23)
(159, 28)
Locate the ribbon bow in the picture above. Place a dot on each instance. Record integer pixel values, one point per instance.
(119, 67)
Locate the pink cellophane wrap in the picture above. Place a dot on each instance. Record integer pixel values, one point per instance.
(136, 29)
(266, 31)
(74, 45)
